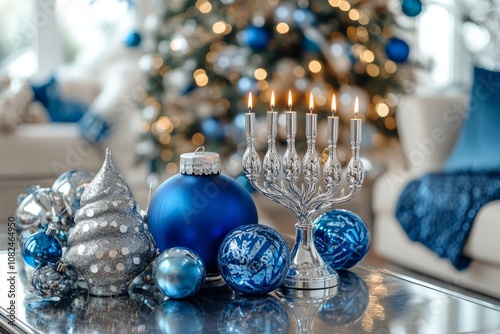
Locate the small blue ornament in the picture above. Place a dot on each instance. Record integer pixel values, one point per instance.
(40, 249)
(257, 38)
(349, 304)
(179, 272)
(411, 7)
(397, 50)
(254, 259)
(341, 238)
(133, 39)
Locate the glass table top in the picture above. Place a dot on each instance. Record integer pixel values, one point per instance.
(367, 300)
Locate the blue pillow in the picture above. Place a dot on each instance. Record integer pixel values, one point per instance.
(478, 145)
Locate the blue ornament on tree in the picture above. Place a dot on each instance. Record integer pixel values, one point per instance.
(212, 129)
(179, 272)
(304, 17)
(342, 238)
(197, 208)
(42, 248)
(257, 38)
(397, 50)
(254, 259)
(133, 39)
(411, 7)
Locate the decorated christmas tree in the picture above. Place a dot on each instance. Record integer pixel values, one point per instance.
(209, 54)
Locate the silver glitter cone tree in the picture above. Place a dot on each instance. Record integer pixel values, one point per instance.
(109, 245)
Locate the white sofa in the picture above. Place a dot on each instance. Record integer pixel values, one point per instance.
(428, 127)
(36, 154)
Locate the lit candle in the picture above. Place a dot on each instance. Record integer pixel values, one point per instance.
(333, 122)
(272, 119)
(356, 124)
(311, 119)
(291, 119)
(249, 118)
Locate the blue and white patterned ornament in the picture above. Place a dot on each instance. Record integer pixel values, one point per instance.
(341, 238)
(42, 248)
(179, 272)
(254, 259)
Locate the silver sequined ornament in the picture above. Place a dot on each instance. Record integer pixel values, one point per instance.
(53, 281)
(109, 245)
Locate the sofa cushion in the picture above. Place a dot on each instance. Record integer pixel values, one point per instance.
(36, 151)
(479, 140)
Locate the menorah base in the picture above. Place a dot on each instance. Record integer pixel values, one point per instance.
(311, 278)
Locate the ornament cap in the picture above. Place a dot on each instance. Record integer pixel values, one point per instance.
(200, 162)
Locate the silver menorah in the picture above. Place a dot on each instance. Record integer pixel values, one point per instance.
(305, 199)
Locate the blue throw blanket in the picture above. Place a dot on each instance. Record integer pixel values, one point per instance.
(438, 210)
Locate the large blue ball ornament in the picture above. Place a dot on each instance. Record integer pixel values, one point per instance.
(41, 249)
(254, 259)
(198, 211)
(342, 238)
(411, 7)
(179, 272)
(257, 38)
(397, 50)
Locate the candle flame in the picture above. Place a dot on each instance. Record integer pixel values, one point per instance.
(290, 100)
(250, 104)
(356, 107)
(273, 104)
(311, 102)
(334, 104)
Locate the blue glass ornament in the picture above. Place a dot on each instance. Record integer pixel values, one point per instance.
(411, 7)
(254, 259)
(179, 272)
(261, 314)
(40, 249)
(198, 211)
(397, 50)
(257, 38)
(133, 39)
(350, 302)
(341, 238)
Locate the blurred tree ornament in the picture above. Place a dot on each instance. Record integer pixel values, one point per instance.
(411, 7)
(133, 39)
(397, 50)
(257, 38)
